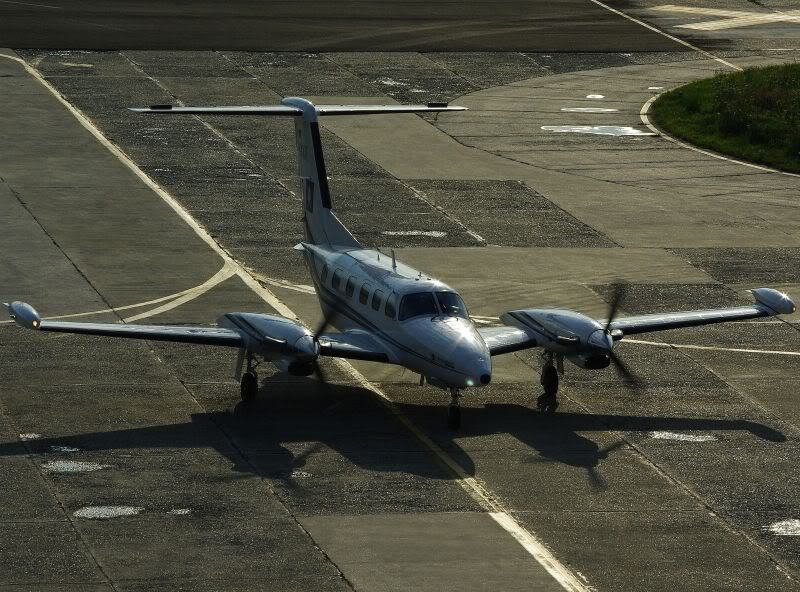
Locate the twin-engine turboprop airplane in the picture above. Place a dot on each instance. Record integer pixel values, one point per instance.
(389, 312)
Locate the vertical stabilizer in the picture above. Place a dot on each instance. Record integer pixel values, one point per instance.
(322, 226)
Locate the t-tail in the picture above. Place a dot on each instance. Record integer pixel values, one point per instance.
(322, 227)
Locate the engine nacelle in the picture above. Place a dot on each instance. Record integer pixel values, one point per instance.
(24, 314)
(593, 361)
(273, 336)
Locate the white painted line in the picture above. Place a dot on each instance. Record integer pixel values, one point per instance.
(731, 19)
(589, 110)
(68, 449)
(285, 284)
(682, 437)
(712, 348)
(179, 512)
(595, 97)
(72, 466)
(486, 499)
(790, 527)
(195, 291)
(599, 130)
(667, 35)
(431, 233)
(223, 274)
(655, 87)
(104, 512)
(646, 120)
(27, 437)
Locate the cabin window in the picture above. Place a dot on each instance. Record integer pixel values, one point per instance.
(350, 286)
(452, 304)
(363, 295)
(336, 282)
(391, 306)
(377, 298)
(417, 305)
(323, 276)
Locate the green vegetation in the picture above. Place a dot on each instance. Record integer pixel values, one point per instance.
(753, 115)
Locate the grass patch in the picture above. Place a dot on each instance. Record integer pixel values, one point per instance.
(753, 115)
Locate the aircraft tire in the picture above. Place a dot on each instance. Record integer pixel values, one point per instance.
(249, 387)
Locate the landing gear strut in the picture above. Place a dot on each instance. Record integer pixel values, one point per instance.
(454, 410)
(547, 401)
(249, 385)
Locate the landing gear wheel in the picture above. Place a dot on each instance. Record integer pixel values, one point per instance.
(550, 380)
(547, 403)
(249, 386)
(454, 417)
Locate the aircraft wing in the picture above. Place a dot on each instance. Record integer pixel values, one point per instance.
(354, 345)
(25, 315)
(505, 339)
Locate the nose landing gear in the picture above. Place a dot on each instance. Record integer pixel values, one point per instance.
(454, 410)
(547, 401)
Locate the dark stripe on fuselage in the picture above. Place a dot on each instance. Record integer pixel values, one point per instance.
(316, 141)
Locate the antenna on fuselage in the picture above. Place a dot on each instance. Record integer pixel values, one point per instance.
(394, 262)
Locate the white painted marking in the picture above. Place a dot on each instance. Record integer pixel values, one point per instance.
(667, 35)
(195, 291)
(31, 4)
(64, 449)
(600, 130)
(682, 437)
(74, 65)
(298, 474)
(646, 120)
(595, 97)
(713, 348)
(104, 512)
(286, 284)
(432, 233)
(588, 110)
(790, 527)
(72, 466)
(655, 87)
(26, 437)
(469, 484)
(732, 19)
(223, 274)
(392, 82)
(179, 512)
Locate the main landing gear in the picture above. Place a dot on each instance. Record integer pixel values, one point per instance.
(454, 410)
(547, 401)
(249, 385)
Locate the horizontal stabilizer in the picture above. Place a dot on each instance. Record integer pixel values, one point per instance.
(289, 110)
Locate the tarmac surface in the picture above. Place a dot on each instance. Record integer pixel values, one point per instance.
(132, 465)
(319, 25)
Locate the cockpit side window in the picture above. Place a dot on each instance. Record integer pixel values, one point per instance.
(452, 304)
(417, 304)
(391, 306)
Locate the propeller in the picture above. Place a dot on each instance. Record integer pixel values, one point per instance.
(619, 290)
(327, 320)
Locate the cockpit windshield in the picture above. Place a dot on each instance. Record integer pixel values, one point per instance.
(451, 304)
(417, 304)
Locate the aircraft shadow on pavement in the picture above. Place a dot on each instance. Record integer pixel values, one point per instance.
(291, 420)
